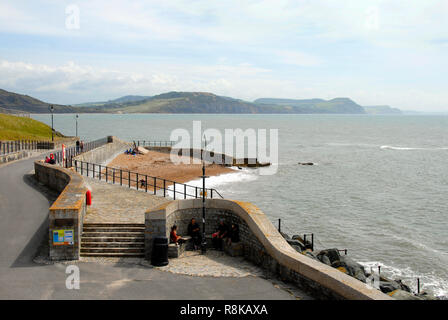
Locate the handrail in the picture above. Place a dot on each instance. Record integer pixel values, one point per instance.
(11, 146)
(121, 176)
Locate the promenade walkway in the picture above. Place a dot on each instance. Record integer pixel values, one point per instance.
(23, 216)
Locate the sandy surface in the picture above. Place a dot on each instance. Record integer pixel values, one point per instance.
(157, 164)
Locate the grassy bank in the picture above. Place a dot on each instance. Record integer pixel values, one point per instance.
(22, 128)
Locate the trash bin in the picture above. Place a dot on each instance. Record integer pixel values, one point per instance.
(159, 256)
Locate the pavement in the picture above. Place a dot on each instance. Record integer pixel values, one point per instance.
(24, 224)
(118, 204)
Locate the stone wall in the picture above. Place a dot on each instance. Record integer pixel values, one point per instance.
(68, 211)
(14, 156)
(210, 156)
(102, 155)
(263, 245)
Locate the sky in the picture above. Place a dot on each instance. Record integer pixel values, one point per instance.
(390, 52)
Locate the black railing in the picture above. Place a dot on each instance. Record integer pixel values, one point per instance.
(140, 181)
(73, 151)
(151, 143)
(7, 147)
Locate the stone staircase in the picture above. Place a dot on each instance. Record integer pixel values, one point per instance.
(113, 240)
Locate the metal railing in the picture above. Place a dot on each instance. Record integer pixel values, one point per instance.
(151, 143)
(7, 147)
(156, 185)
(73, 151)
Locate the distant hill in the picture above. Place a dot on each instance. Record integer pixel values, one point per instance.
(193, 102)
(337, 105)
(24, 103)
(382, 110)
(118, 101)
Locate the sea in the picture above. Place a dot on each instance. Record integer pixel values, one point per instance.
(379, 186)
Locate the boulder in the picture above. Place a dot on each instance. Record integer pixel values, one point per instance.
(332, 255)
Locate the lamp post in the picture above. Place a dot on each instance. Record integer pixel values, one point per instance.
(52, 129)
(204, 193)
(77, 116)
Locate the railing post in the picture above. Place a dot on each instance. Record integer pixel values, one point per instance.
(211, 193)
(121, 177)
(155, 183)
(174, 188)
(279, 225)
(196, 192)
(185, 191)
(164, 187)
(99, 172)
(81, 169)
(129, 179)
(312, 242)
(136, 180)
(76, 165)
(113, 179)
(146, 183)
(93, 172)
(106, 173)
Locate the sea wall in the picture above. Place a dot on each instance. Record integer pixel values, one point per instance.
(105, 153)
(210, 156)
(263, 245)
(67, 213)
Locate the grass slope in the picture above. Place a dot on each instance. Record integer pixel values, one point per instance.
(21, 128)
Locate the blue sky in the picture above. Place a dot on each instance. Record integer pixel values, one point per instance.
(376, 52)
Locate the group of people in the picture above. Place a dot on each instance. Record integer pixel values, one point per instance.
(79, 146)
(223, 233)
(51, 159)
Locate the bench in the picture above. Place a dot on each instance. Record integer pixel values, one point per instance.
(235, 249)
(175, 250)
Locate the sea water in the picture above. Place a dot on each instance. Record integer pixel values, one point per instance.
(379, 188)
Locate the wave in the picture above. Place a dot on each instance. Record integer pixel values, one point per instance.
(216, 182)
(429, 282)
(409, 148)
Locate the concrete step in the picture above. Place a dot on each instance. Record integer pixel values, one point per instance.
(112, 250)
(94, 225)
(112, 239)
(113, 229)
(113, 234)
(121, 255)
(96, 244)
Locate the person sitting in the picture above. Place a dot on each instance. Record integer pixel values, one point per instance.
(234, 234)
(218, 236)
(47, 159)
(195, 233)
(174, 238)
(52, 159)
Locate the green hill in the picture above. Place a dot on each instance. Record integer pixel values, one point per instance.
(22, 128)
(15, 101)
(337, 105)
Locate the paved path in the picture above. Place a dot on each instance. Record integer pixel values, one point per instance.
(118, 204)
(23, 214)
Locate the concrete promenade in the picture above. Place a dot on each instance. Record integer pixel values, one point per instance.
(23, 216)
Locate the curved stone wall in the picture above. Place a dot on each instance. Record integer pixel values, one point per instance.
(263, 245)
(67, 212)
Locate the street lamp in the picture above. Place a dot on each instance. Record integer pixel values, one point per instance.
(77, 116)
(204, 240)
(51, 107)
